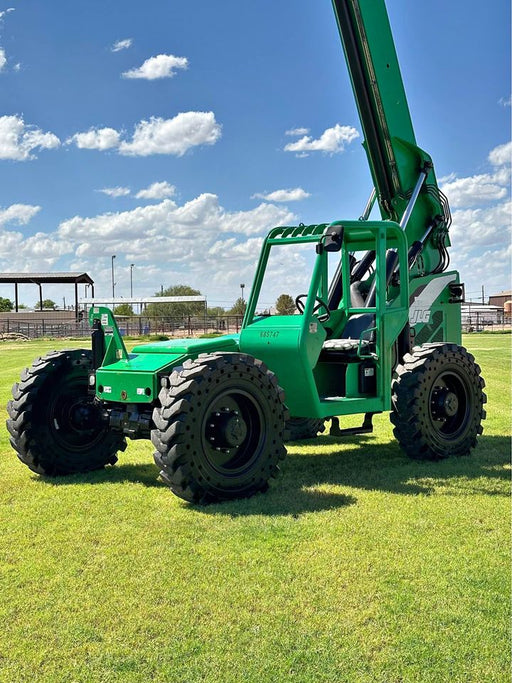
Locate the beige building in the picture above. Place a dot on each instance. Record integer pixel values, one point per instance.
(500, 299)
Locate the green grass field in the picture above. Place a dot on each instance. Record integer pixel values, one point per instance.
(357, 565)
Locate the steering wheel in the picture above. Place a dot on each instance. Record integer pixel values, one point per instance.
(300, 304)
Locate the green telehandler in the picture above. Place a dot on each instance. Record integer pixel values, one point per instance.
(377, 328)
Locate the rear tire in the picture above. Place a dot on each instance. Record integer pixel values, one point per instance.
(219, 428)
(55, 426)
(438, 399)
(304, 428)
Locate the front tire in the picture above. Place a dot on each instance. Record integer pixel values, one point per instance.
(55, 426)
(219, 428)
(438, 399)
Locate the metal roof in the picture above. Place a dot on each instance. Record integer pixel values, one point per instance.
(109, 301)
(38, 278)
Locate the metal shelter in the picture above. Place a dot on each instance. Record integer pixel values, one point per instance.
(46, 278)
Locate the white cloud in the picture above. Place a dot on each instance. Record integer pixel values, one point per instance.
(474, 228)
(18, 141)
(447, 178)
(297, 131)
(501, 155)
(288, 272)
(476, 271)
(2, 14)
(117, 226)
(157, 136)
(170, 227)
(115, 191)
(332, 141)
(231, 250)
(258, 221)
(161, 66)
(3, 59)
(473, 190)
(481, 233)
(198, 242)
(291, 195)
(161, 190)
(20, 214)
(38, 252)
(96, 138)
(45, 247)
(172, 136)
(123, 44)
(21, 253)
(505, 101)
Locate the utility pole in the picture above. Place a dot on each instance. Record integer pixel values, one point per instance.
(131, 280)
(113, 281)
(483, 295)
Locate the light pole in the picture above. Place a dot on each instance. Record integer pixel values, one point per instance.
(113, 281)
(131, 280)
(242, 288)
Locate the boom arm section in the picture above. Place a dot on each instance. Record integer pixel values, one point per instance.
(395, 159)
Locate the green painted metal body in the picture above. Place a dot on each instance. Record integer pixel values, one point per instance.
(317, 384)
(134, 377)
(289, 345)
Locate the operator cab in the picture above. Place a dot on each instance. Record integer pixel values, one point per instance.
(329, 345)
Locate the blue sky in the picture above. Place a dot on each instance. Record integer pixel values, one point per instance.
(159, 133)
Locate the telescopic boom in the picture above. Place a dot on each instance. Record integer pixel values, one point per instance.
(399, 168)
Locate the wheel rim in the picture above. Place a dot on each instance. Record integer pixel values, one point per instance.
(75, 423)
(231, 434)
(449, 405)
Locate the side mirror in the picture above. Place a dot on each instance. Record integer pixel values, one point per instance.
(331, 240)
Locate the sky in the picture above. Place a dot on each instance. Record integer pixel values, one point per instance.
(176, 134)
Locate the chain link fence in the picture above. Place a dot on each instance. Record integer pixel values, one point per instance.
(136, 326)
(186, 326)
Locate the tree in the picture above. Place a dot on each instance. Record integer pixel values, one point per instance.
(171, 310)
(6, 304)
(47, 303)
(285, 305)
(124, 309)
(239, 307)
(216, 311)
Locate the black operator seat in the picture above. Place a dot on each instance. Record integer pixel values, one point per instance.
(344, 350)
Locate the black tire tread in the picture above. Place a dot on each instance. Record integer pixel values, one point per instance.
(408, 389)
(304, 428)
(31, 439)
(173, 420)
